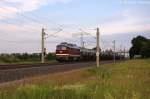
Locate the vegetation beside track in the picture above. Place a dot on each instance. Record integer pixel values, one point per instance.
(24, 58)
(124, 80)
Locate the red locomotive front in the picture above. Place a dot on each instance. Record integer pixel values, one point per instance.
(67, 52)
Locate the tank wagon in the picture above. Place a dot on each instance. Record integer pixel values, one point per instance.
(71, 52)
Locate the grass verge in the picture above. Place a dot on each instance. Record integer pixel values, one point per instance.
(124, 80)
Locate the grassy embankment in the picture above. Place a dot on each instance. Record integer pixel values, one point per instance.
(125, 80)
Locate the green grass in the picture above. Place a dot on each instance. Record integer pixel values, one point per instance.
(124, 80)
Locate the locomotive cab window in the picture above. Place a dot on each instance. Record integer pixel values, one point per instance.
(63, 48)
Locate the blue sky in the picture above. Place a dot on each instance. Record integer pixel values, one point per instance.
(21, 22)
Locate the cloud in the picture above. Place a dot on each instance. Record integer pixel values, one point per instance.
(127, 21)
(10, 7)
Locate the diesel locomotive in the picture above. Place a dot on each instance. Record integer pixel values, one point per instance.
(71, 52)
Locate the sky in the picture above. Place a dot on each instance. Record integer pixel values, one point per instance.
(21, 22)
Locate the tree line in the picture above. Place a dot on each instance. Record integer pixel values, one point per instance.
(24, 57)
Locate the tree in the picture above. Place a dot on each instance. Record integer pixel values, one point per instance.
(140, 46)
(145, 51)
(50, 56)
(131, 52)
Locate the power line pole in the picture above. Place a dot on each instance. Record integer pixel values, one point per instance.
(43, 49)
(124, 52)
(82, 42)
(114, 51)
(120, 51)
(97, 49)
(42, 46)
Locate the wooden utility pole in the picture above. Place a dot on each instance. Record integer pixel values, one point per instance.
(124, 52)
(42, 46)
(120, 51)
(114, 51)
(98, 49)
(82, 42)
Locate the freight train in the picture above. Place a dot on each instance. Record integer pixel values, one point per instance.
(71, 52)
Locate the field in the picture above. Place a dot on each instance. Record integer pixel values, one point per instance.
(124, 80)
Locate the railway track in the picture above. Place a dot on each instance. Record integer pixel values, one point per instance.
(20, 66)
(18, 73)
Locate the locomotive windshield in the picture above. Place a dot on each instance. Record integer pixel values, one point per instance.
(61, 48)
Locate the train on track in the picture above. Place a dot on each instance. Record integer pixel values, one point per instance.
(71, 52)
